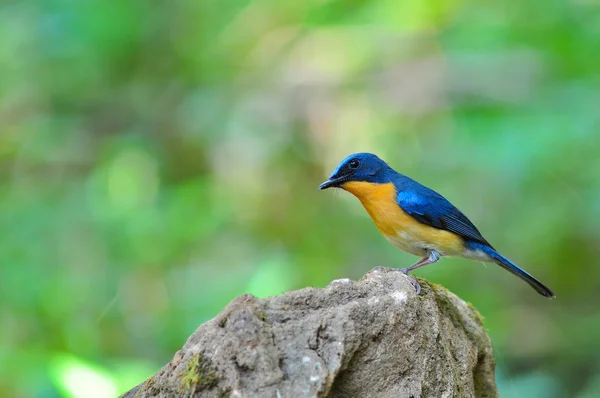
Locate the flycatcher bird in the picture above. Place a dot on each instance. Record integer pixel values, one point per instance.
(417, 219)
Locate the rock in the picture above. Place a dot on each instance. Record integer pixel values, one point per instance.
(371, 338)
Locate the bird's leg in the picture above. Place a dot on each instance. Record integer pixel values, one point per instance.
(432, 258)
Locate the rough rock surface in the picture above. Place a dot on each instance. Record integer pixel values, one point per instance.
(371, 338)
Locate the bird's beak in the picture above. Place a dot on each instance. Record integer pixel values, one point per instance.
(331, 183)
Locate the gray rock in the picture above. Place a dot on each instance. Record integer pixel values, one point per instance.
(371, 338)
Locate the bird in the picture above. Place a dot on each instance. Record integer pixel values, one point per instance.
(417, 219)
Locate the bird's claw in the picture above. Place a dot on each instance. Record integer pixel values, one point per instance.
(415, 284)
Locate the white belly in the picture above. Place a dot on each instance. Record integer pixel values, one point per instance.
(410, 243)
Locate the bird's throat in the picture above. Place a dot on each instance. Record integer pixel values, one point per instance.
(369, 190)
(377, 199)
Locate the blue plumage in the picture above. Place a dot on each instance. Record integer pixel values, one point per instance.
(431, 208)
(512, 268)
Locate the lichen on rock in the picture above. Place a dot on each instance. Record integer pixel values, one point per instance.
(199, 375)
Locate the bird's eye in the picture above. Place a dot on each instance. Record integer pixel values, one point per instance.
(354, 164)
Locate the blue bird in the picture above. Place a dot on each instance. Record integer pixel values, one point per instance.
(417, 219)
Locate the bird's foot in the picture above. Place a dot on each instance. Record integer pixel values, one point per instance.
(412, 280)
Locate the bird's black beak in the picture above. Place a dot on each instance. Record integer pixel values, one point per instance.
(332, 183)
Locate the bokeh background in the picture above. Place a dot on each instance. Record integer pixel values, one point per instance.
(158, 159)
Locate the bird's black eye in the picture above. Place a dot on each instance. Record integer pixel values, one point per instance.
(354, 163)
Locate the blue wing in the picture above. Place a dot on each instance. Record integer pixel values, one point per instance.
(431, 208)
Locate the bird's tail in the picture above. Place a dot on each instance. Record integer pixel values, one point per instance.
(514, 269)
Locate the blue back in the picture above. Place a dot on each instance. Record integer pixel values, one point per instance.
(431, 208)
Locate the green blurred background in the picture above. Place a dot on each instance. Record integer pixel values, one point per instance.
(160, 158)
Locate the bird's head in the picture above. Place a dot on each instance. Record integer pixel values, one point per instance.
(359, 167)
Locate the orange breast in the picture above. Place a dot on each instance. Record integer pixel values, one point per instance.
(397, 226)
